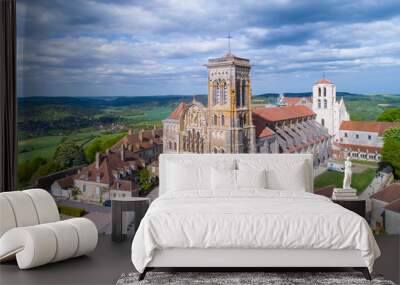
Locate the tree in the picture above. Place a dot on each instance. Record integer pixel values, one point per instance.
(144, 179)
(102, 191)
(75, 192)
(68, 154)
(28, 168)
(391, 149)
(390, 115)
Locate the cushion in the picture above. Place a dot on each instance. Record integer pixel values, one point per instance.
(251, 178)
(45, 205)
(183, 177)
(7, 218)
(279, 170)
(223, 179)
(23, 208)
(41, 244)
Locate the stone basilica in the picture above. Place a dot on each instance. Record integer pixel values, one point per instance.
(229, 123)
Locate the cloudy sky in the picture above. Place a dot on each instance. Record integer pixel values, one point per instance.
(132, 48)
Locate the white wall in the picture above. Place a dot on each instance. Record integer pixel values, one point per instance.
(363, 138)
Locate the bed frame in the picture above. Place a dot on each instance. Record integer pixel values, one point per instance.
(250, 259)
(246, 259)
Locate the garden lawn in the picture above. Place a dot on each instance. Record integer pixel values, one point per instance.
(360, 181)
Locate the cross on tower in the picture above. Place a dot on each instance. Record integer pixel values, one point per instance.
(229, 37)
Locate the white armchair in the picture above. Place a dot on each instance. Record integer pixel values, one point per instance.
(31, 230)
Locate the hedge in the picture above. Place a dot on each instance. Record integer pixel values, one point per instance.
(71, 211)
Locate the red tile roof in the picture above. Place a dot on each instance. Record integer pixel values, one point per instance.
(359, 148)
(261, 126)
(143, 139)
(291, 101)
(364, 126)
(107, 165)
(175, 115)
(123, 185)
(389, 194)
(66, 182)
(323, 81)
(394, 206)
(266, 132)
(283, 113)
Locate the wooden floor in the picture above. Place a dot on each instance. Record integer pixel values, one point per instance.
(110, 260)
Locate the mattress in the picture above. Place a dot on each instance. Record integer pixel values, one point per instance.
(250, 219)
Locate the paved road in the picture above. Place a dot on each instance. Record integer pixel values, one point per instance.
(87, 206)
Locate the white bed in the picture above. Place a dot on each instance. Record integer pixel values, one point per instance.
(194, 223)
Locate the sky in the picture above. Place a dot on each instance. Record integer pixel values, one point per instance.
(136, 48)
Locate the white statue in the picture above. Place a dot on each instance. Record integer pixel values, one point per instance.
(347, 174)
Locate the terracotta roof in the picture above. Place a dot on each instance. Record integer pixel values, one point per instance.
(261, 126)
(283, 113)
(66, 182)
(324, 81)
(359, 148)
(266, 132)
(295, 100)
(109, 164)
(325, 191)
(394, 206)
(144, 139)
(389, 194)
(364, 126)
(123, 185)
(175, 115)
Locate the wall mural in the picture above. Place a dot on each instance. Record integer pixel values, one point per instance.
(96, 110)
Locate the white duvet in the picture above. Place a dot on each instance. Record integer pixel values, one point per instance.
(250, 219)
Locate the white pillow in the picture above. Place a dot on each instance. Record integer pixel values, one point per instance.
(223, 179)
(251, 178)
(183, 177)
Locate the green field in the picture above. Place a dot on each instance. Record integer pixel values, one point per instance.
(100, 144)
(38, 147)
(360, 181)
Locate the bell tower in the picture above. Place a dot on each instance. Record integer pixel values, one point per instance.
(229, 105)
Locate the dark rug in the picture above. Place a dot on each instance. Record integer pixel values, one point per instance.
(229, 278)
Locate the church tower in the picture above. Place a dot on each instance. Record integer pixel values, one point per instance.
(325, 105)
(229, 105)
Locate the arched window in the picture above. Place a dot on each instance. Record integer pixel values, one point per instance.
(225, 94)
(319, 103)
(174, 145)
(319, 91)
(222, 150)
(215, 93)
(169, 145)
(244, 93)
(215, 150)
(215, 120)
(222, 120)
(325, 103)
(324, 91)
(323, 122)
(238, 93)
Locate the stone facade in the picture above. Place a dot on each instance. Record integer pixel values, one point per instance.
(225, 125)
(230, 124)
